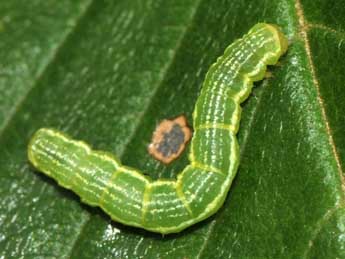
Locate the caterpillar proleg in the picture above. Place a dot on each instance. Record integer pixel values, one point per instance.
(169, 206)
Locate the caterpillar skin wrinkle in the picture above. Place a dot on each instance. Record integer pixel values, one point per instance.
(169, 206)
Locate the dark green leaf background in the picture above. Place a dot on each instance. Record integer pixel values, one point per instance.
(108, 71)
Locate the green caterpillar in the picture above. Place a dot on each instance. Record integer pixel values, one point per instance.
(169, 206)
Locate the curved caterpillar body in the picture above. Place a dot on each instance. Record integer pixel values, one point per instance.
(169, 206)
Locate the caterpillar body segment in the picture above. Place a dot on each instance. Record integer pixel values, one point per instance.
(169, 206)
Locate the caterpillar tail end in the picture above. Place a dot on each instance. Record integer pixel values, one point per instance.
(31, 147)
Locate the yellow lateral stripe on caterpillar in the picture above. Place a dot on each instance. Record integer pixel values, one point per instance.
(169, 206)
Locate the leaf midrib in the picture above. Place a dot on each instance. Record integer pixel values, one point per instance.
(304, 28)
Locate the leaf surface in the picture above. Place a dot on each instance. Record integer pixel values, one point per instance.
(108, 71)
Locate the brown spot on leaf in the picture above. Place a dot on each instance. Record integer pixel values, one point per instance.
(169, 139)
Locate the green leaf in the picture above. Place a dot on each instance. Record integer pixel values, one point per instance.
(108, 71)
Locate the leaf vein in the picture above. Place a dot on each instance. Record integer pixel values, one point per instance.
(304, 33)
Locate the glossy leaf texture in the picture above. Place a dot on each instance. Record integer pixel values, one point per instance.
(108, 71)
